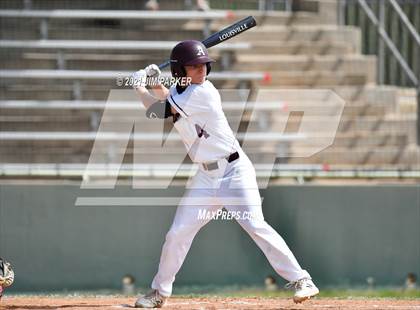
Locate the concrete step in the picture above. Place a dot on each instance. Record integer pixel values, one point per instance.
(381, 149)
(399, 137)
(46, 85)
(331, 33)
(353, 67)
(387, 124)
(319, 47)
(351, 64)
(79, 151)
(91, 61)
(236, 5)
(367, 98)
(44, 123)
(52, 109)
(98, 60)
(274, 62)
(356, 109)
(132, 31)
(407, 101)
(88, 28)
(408, 155)
(89, 5)
(391, 123)
(88, 31)
(326, 9)
(76, 119)
(334, 155)
(17, 55)
(49, 90)
(368, 139)
(349, 139)
(308, 5)
(88, 122)
(372, 94)
(367, 119)
(369, 94)
(265, 18)
(318, 78)
(61, 92)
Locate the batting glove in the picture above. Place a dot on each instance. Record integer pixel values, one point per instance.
(139, 79)
(153, 72)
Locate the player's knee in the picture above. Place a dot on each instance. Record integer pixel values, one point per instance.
(180, 233)
(255, 226)
(172, 234)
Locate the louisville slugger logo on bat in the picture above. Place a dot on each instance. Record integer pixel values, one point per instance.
(233, 32)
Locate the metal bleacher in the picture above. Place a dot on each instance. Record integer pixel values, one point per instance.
(58, 66)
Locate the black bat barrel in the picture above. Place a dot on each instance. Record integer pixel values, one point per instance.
(224, 34)
(230, 31)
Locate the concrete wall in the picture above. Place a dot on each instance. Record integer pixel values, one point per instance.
(341, 234)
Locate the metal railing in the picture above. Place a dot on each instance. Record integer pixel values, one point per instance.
(262, 5)
(44, 16)
(390, 29)
(161, 171)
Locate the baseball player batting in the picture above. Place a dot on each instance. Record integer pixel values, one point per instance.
(225, 178)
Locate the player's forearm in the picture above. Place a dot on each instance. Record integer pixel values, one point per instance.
(156, 93)
(146, 97)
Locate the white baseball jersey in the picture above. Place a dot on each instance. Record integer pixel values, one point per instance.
(203, 126)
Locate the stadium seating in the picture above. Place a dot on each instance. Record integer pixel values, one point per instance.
(56, 77)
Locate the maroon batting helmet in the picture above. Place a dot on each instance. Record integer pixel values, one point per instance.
(188, 53)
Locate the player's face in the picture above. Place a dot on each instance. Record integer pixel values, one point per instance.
(197, 73)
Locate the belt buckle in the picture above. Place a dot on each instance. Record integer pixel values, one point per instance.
(211, 166)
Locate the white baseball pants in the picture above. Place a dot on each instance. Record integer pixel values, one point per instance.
(234, 187)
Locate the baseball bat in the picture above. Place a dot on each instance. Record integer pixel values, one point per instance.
(224, 34)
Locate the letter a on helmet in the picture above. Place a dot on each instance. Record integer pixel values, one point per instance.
(188, 53)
